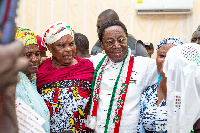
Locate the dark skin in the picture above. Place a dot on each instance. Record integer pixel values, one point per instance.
(102, 19)
(161, 54)
(149, 51)
(63, 52)
(114, 43)
(32, 53)
(80, 54)
(11, 62)
(43, 53)
(196, 37)
(100, 22)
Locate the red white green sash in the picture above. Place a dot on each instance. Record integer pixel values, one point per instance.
(121, 97)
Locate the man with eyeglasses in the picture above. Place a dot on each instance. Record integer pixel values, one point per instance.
(118, 82)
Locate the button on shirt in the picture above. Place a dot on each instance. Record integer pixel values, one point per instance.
(108, 80)
(144, 74)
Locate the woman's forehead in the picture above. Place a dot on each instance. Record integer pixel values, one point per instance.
(31, 46)
(65, 38)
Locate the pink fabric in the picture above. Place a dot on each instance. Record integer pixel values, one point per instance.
(47, 73)
(39, 40)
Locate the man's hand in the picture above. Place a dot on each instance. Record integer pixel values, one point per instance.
(11, 63)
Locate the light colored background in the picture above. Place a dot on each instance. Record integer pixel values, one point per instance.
(82, 16)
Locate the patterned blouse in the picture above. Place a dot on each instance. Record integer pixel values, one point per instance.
(66, 92)
(68, 104)
(153, 119)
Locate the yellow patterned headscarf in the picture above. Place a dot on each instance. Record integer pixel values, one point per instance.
(27, 35)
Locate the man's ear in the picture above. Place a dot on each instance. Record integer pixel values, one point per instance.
(101, 43)
(49, 46)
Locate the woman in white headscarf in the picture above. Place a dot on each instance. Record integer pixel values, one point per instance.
(64, 80)
(153, 111)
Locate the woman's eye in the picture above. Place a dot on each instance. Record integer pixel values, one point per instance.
(28, 55)
(71, 44)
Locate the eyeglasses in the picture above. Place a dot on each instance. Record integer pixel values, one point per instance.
(112, 42)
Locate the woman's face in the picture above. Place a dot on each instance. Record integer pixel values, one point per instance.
(63, 51)
(161, 54)
(32, 53)
(114, 42)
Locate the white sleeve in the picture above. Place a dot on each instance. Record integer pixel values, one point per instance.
(95, 59)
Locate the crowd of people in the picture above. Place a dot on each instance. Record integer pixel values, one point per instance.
(118, 88)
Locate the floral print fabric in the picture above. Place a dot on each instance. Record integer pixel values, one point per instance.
(68, 103)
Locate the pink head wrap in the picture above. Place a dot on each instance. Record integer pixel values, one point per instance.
(39, 40)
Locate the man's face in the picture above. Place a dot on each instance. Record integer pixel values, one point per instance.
(114, 42)
(196, 37)
(100, 22)
(149, 50)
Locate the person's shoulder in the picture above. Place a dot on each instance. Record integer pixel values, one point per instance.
(85, 60)
(131, 37)
(46, 62)
(145, 59)
(147, 64)
(97, 57)
(131, 41)
(44, 65)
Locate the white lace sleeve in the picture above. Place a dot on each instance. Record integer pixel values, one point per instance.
(182, 69)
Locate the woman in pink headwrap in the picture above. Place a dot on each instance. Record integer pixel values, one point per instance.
(64, 81)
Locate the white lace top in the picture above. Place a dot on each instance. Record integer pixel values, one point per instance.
(182, 69)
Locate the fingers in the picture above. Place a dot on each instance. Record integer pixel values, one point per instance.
(11, 63)
(21, 64)
(9, 55)
(16, 48)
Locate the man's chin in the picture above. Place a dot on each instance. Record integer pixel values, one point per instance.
(117, 59)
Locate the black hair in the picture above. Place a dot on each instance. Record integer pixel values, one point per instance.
(81, 42)
(108, 24)
(198, 29)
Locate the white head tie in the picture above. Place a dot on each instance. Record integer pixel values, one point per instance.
(55, 31)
